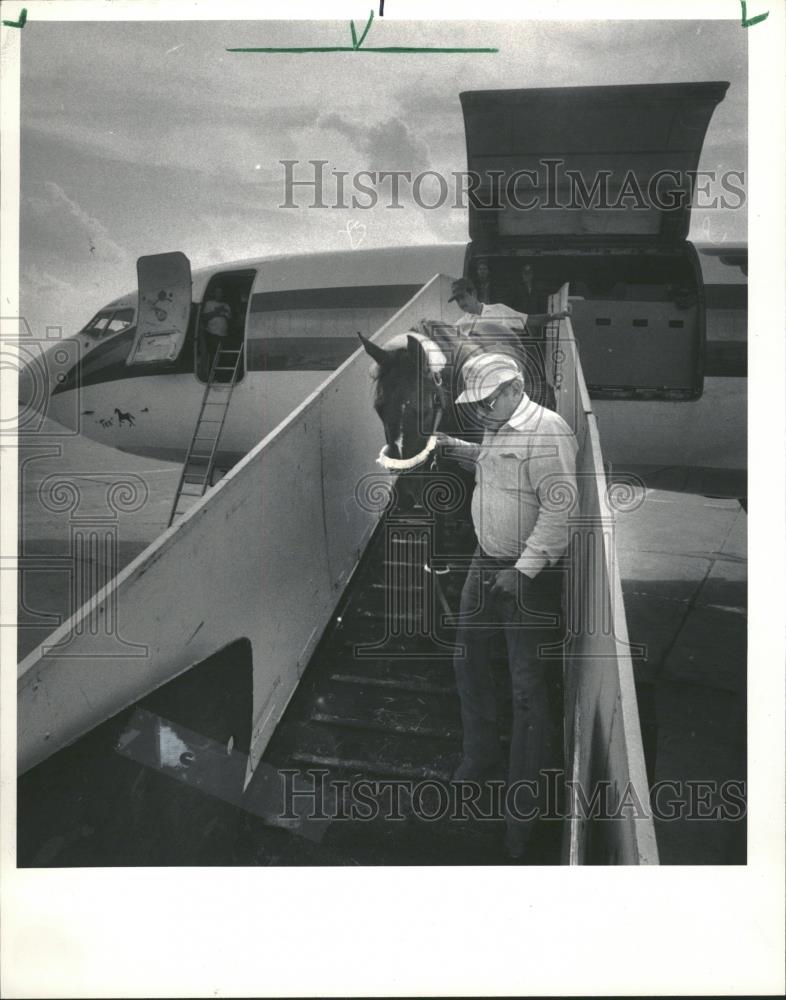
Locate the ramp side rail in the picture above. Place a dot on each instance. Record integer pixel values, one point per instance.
(264, 555)
(604, 756)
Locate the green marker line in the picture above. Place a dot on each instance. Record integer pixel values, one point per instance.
(325, 48)
(395, 49)
(746, 23)
(365, 32)
(357, 44)
(347, 48)
(20, 23)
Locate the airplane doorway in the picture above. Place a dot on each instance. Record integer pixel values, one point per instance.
(222, 318)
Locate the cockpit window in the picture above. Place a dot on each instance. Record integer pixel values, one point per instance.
(97, 324)
(120, 320)
(107, 322)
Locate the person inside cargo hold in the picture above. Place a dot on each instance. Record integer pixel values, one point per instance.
(528, 295)
(483, 280)
(525, 470)
(526, 328)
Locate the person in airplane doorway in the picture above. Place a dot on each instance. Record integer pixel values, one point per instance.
(216, 319)
(526, 327)
(525, 470)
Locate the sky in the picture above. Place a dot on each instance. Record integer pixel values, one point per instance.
(140, 138)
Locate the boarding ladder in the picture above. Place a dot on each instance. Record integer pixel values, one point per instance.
(201, 455)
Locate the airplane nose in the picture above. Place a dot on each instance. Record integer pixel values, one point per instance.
(43, 375)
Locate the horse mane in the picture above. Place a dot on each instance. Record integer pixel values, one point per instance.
(456, 348)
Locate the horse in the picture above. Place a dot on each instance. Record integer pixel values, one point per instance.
(418, 377)
(124, 418)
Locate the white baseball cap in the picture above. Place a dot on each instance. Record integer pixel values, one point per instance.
(484, 374)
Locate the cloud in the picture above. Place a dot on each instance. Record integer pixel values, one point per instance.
(111, 144)
(69, 263)
(53, 297)
(58, 220)
(37, 282)
(148, 136)
(218, 142)
(388, 145)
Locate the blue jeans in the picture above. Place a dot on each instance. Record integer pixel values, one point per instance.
(535, 620)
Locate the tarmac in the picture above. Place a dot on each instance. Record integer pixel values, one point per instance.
(683, 568)
(63, 483)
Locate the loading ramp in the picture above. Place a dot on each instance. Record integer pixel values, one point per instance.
(390, 716)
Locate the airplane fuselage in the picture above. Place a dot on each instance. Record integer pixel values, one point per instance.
(293, 337)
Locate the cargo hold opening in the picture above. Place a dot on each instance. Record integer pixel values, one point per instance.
(595, 185)
(637, 315)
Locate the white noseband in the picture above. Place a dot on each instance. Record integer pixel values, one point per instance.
(400, 464)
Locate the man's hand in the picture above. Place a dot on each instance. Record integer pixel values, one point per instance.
(464, 451)
(445, 441)
(562, 314)
(506, 584)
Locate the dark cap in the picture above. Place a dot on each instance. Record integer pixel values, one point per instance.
(460, 287)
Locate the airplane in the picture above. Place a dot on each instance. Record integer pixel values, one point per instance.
(661, 323)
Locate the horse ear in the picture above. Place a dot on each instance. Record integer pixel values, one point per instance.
(379, 354)
(415, 348)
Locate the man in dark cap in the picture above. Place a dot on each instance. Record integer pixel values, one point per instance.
(464, 294)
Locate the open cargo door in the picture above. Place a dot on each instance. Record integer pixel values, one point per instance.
(587, 162)
(164, 307)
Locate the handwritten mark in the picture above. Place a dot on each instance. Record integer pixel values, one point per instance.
(706, 232)
(356, 231)
(746, 21)
(357, 45)
(22, 20)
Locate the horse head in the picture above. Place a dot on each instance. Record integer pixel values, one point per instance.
(409, 394)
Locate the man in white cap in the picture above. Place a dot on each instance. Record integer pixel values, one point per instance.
(525, 468)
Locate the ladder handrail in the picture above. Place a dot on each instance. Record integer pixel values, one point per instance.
(214, 448)
(209, 384)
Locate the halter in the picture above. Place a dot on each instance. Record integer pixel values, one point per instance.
(436, 364)
(402, 464)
